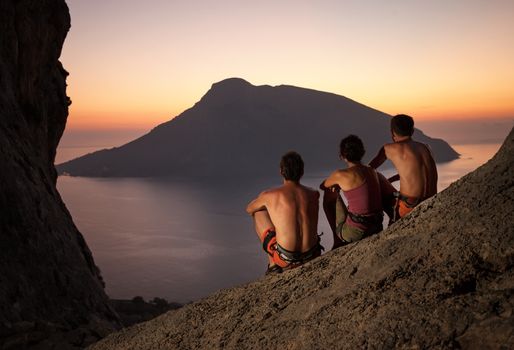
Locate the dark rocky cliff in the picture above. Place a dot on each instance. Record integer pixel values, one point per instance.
(51, 292)
(442, 278)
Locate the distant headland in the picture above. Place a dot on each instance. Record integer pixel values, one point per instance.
(241, 129)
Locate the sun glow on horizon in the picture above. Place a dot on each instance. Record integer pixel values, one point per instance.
(137, 64)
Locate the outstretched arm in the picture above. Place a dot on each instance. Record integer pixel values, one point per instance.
(379, 159)
(387, 190)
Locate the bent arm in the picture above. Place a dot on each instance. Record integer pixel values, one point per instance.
(331, 183)
(379, 159)
(257, 204)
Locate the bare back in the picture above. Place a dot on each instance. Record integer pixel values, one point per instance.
(293, 209)
(416, 167)
(347, 179)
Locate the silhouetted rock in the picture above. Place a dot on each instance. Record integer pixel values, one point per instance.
(241, 129)
(442, 278)
(138, 310)
(51, 292)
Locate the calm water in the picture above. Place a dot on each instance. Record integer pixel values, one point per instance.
(184, 240)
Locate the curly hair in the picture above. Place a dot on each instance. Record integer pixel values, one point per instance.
(352, 148)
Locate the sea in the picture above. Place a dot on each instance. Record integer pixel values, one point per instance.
(183, 239)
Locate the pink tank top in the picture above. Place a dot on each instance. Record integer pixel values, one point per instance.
(365, 199)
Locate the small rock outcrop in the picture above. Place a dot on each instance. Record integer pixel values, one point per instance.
(442, 278)
(239, 129)
(51, 292)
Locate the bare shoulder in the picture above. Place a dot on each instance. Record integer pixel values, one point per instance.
(423, 146)
(341, 173)
(270, 192)
(393, 147)
(395, 150)
(311, 191)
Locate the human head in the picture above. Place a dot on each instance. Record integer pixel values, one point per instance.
(291, 166)
(351, 148)
(402, 125)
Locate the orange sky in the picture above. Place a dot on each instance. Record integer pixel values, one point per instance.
(135, 64)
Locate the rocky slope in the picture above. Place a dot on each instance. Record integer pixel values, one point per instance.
(241, 129)
(51, 292)
(442, 277)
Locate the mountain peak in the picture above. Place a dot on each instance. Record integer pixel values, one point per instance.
(231, 120)
(226, 89)
(231, 83)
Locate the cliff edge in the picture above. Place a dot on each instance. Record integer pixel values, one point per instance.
(51, 292)
(440, 278)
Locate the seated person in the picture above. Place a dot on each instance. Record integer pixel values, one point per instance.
(363, 187)
(414, 162)
(286, 218)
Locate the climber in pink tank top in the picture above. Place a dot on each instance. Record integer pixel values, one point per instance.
(364, 189)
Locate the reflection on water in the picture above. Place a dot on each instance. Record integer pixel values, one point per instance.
(471, 157)
(183, 240)
(176, 240)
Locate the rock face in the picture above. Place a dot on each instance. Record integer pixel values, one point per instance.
(442, 277)
(51, 292)
(241, 129)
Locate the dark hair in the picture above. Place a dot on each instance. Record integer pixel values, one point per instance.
(352, 148)
(402, 125)
(291, 166)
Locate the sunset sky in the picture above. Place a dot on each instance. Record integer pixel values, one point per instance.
(135, 64)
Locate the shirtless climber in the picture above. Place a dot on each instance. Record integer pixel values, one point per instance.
(286, 218)
(416, 167)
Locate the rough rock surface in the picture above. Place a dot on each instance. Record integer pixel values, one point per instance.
(51, 292)
(442, 277)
